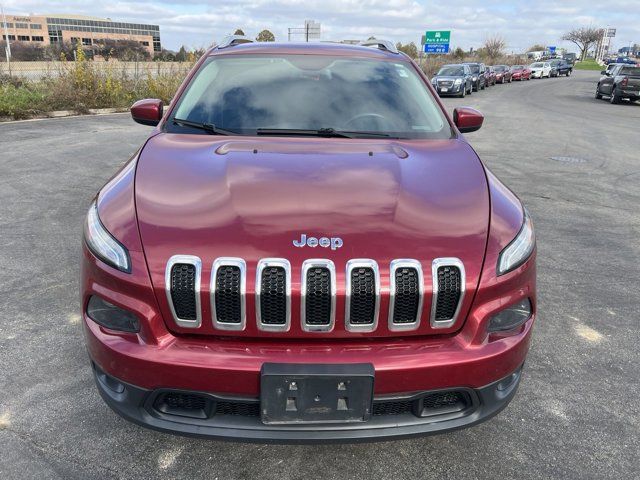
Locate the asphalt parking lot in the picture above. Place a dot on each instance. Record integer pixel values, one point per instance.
(573, 160)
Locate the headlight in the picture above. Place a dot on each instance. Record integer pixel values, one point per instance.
(511, 317)
(102, 244)
(458, 81)
(520, 248)
(474, 78)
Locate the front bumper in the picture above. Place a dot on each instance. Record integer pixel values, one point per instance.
(238, 421)
(452, 90)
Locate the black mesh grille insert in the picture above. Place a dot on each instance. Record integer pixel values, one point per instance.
(362, 306)
(183, 292)
(318, 299)
(185, 401)
(273, 296)
(393, 408)
(407, 295)
(241, 409)
(442, 400)
(448, 292)
(227, 297)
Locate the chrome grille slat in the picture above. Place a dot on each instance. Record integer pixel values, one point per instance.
(402, 298)
(187, 292)
(318, 304)
(362, 295)
(271, 297)
(227, 292)
(437, 309)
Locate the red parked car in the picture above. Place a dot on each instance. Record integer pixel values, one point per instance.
(307, 249)
(490, 76)
(520, 72)
(503, 73)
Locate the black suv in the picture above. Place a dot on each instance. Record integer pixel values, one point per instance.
(478, 71)
(561, 66)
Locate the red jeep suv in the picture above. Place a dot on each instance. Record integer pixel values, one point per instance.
(307, 249)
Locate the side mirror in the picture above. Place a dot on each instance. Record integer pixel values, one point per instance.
(467, 119)
(603, 72)
(147, 111)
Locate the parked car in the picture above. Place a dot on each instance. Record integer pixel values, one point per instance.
(520, 72)
(625, 60)
(503, 73)
(455, 79)
(224, 289)
(623, 81)
(540, 69)
(570, 58)
(562, 67)
(490, 76)
(478, 78)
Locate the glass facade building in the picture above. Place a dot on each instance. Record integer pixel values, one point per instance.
(63, 28)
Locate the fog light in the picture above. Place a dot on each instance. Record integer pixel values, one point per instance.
(110, 316)
(505, 383)
(511, 317)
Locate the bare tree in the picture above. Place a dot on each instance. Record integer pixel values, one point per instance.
(494, 46)
(537, 47)
(239, 31)
(583, 37)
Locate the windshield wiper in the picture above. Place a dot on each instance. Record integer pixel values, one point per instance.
(210, 128)
(321, 132)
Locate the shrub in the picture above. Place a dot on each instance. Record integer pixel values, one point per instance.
(80, 86)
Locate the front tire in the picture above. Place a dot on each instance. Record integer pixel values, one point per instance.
(598, 94)
(463, 92)
(568, 73)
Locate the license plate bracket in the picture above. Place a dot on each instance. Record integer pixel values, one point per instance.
(316, 393)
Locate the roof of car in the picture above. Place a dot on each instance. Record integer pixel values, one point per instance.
(311, 48)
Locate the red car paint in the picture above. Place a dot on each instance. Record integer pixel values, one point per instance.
(250, 197)
(524, 74)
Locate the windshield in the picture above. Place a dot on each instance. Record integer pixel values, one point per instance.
(633, 71)
(451, 71)
(246, 94)
(517, 67)
(474, 68)
(537, 65)
(499, 68)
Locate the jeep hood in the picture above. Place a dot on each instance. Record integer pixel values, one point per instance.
(252, 197)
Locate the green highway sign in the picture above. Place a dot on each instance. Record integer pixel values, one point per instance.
(437, 36)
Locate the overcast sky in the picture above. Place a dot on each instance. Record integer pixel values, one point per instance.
(522, 23)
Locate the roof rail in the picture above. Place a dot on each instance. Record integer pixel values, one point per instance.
(380, 44)
(233, 40)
